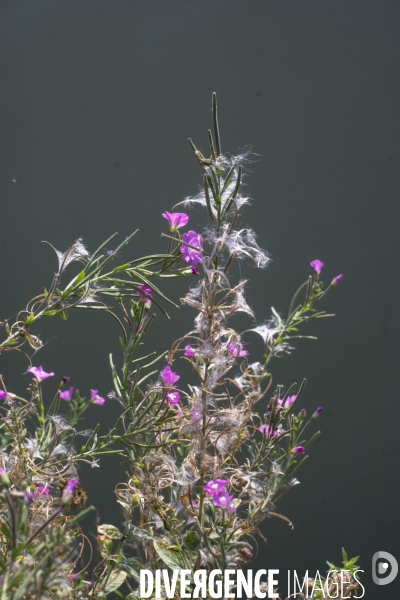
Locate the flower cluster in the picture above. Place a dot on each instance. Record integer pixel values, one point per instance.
(208, 460)
(169, 378)
(220, 498)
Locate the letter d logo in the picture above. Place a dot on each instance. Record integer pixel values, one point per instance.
(380, 568)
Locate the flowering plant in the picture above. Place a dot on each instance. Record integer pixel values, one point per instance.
(209, 459)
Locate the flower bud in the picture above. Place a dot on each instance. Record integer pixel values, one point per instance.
(4, 479)
(68, 492)
(336, 279)
(316, 413)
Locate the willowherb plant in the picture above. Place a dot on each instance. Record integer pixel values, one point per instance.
(208, 460)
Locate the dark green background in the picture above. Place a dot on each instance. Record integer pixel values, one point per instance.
(97, 100)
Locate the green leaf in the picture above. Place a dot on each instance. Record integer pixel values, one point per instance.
(209, 511)
(344, 555)
(80, 277)
(63, 315)
(192, 540)
(131, 566)
(49, 313)
(106, 547)
(136, 532)
(121, 268)
(109, 531)
(171, 555)
(115, 580)
(29, 320)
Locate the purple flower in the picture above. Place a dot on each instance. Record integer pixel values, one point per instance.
(337, 279)
(189, 351)
(298, 450)
(317, 265)
(237, 350)
(69, 491)
(215, 486)
(168, 376)
(288, 402)
(176, 220)
(195, 271)
(39, 373)
(96, 398)
(143, 297)
(173, 398)
(65, 379)
(223, 500)
(268, 430)
(41, 490)
(195, 415)
(28, 497)
(192, 255)
(3, 395)
(67, 394)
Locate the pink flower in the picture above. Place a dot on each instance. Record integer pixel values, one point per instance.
(337, 279)
(39, 373)
(317, 265)
(192, 255)
(96, 398)
(288, 402)
(224, 500)
(176, 220)
(237, 350)
(69, 491)
(195, 271)
(189, 351)
(215, 486)
(173, 398)
(298, 450)
(195, 415)
(41, 490)
(269, 431)
(67, 394)
(143, 297)
(3, 395)
(168, 376)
